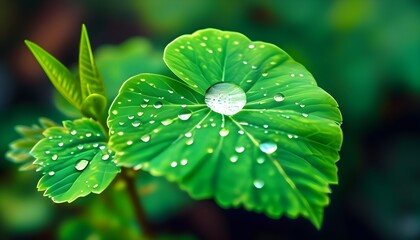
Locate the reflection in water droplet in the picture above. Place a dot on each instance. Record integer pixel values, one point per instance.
(81, 164)
(239, 149)
(234, 158)
(184, 114)
(268, 147)
(54, 157)
(260, 160)
(278, 97)
(166, 122)
(158, 104)
(51, 173)
(105, 157)
(135, 123)
(258, 183)
(225, 98)
(224, 132)
(145, 138)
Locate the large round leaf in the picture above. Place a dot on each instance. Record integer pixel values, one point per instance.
(276, 155)
(74, 160)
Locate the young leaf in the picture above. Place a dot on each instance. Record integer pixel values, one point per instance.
(62, 79)
(246, 124)
(90, 79)
(20, 148)
(74, 160)
(94, 106)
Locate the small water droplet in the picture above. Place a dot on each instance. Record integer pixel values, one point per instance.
(115, 112)
(184, 114)
(224, 132)
(234, 158)
(140, 114)
(167, 122)
(135, 123)
(54, 157)
(95, 186)
(241, 132)
(239, 149)
(302, 105)
(158, 105)
(258, 183)
(105, 157)
(88, 134)
(290, 136)
(47, 152)
(95, 145)
(143, 105)
(188, 134)
(146, 100)
(304, 115)
(60, 144)
(189, 142)
(251, 46)
(51, 173)
(184, 162)
(129, 142)
(260, 160)
(268, 147)
(174, 164)
(73, 132)
(145, 138)
(225, 98)
(80, 147)
(131, 117)
(278, 97)
(81, 164)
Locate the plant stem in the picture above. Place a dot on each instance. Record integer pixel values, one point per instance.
(129, 178)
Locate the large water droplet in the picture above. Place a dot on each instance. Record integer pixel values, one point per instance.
(184, 114)
(145, 138)
(258, 183)
(224, 132)
(225, 98)
(158, 104)
(268, 147)
(81, 164)
(278, 97)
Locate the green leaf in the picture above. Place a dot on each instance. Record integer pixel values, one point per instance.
(62, 79)
(90, 79)
(94, 106)
(276, 155)
(74, 160)
(19, 150)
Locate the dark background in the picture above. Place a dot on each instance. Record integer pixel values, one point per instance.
(365, 53)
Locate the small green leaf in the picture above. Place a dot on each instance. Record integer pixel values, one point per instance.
(246, 125)
(94, 106)
(62, 79)
(74, 160)
(19, 150)
(90, 79)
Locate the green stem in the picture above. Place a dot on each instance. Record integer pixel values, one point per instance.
(129, 178)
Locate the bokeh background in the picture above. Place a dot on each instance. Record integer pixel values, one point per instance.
(365, 53)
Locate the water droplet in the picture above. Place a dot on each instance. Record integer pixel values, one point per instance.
(105, 157)
(73, 132)
(47, 152)
(241, 132)
(81, 164)
(131, 117)
(145, 138)
(239, 149)
(189, 142)
(51, 173)
(80, 147)
(251, 46)
(302, 105)
(158, 105)
(188, 134)
(290, 136)
(115, 112)
(129, 142)
(268, 147)
(60, 144)
(54, 157)
(140, 114)
(143, 105)
(258, 183)
(225, 98)
(184, 114)
(88, 134)
(135, 123)
(146, 100)
(167, 122)
(95, 145)
(278, 97)
(234, 158)
(184, 162)
(224, 132)
(95, 186)
(304, 115)
(260, 160)
(174, 164)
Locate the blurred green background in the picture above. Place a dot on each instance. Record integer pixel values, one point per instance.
(365, 53)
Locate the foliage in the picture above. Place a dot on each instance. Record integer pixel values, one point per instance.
(242, 123)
